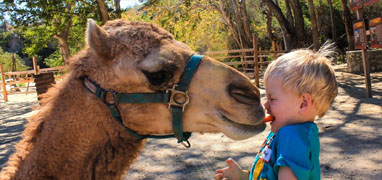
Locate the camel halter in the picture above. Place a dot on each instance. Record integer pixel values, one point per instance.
(177, 107)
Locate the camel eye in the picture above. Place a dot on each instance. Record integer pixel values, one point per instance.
(159, 77)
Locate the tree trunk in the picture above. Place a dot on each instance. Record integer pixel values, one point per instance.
(299, 22)
(103, 11)
(235, 16)
(319, 15)
(316, 41)
(346, 17)
(228, 21)
(117, 4)
(289, 14)
(64, 49)
(269, 25)
(62, 38)
(288, 32)
(334, 35)
(245, 23)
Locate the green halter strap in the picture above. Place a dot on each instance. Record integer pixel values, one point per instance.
(168, 97)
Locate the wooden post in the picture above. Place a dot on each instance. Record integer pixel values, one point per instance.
(366, 65)
(366, 70)
(274, 49)
(261, 60)
(35, 68)
(242, 58)
(255, 58)
(3, 83)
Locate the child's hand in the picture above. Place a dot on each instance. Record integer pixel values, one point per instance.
(232, 172)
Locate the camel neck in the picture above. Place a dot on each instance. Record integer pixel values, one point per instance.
(72, 135)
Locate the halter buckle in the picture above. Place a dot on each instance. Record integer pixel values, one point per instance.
(177, 98)
(105, 98)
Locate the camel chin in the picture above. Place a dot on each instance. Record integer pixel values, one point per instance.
(237, 131)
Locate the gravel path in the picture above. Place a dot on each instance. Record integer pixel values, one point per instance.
(350, 135)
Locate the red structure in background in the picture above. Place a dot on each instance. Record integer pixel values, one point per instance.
(355, 5)
(359, 34)
(370, 2)
(375, 26)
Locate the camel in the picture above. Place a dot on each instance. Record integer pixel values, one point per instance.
(74, 135)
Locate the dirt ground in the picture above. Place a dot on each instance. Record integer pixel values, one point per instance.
(350, 135)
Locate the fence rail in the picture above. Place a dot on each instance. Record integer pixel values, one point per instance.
(11, 79)
(251, 62)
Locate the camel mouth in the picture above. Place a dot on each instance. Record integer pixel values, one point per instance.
(243, 129)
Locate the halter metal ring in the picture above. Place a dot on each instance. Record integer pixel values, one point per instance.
(176, 95)
(114, 95)
(186, 144)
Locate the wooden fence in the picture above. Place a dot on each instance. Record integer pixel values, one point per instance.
(12, 79)
(251, 62)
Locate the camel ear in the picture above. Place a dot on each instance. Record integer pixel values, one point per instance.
(97, 39)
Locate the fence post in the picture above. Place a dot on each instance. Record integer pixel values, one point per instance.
(255, 58)
(35, 68)
(366, 65)
(261, 61)
(274, 49)
(3, 83)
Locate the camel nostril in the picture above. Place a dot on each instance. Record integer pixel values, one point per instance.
(244, 95)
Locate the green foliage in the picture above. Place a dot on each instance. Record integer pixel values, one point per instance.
(77, 35)
(37, 37)
(21, 85)
(195, 23)
(55, 59)
(41, 21)
(6, 60)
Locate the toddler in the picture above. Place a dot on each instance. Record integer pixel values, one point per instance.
(300, 86)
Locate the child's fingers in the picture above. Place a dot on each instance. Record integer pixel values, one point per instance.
(232, 163)
(218, 176)
(219, 171)
(229, 160)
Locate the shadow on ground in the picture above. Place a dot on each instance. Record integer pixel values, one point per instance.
(12, 120)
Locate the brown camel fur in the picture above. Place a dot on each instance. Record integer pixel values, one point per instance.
(73, 135)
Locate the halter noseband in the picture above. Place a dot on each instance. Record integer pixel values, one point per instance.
(168, 97)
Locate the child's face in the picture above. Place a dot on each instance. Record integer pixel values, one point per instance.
(282, 104)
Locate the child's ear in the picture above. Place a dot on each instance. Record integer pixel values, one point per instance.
(306, 102)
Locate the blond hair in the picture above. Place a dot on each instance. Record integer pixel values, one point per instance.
(306, 71)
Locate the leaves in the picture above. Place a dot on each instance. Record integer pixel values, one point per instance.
(6, 60)
(195, 23)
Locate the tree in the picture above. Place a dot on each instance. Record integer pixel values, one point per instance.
(235, 17)
(316, 37)
(11, 61)
(117, 4)
(103, 11)
(346, 17)
(332, 24)
(41, 20)
(195, 23)
(298, 22)
(285, 25)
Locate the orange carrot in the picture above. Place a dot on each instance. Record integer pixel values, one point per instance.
(269, 119)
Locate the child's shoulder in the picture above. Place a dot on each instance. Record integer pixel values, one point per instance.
(299, 129)
(298, 135)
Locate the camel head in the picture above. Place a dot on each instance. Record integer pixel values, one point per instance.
(136, 57)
